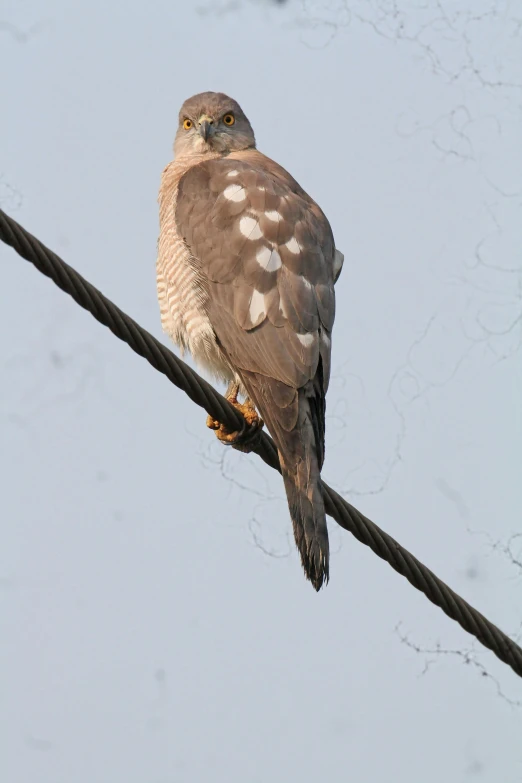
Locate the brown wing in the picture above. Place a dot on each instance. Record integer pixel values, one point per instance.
(267, 252)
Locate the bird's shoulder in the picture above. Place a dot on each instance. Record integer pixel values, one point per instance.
(251, 202)
(254, 171)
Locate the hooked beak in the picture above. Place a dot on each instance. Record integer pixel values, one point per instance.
(205, 127)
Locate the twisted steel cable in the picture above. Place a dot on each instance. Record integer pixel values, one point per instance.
(204, 395)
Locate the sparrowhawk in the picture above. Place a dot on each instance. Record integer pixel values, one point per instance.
(246, 270)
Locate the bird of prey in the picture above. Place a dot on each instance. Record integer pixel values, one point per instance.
(245, 273)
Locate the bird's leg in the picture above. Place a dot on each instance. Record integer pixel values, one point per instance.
(245, 439)
(232, 392)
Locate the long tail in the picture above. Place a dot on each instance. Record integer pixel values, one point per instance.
(302, 480)
(295, 419)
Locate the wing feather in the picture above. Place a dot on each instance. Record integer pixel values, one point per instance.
(267, 254)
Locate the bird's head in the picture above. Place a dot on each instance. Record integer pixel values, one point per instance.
(212, 122)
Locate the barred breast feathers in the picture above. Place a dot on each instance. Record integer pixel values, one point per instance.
(182, 293)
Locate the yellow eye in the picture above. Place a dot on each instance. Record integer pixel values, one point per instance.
(187, 124)
(229, 119)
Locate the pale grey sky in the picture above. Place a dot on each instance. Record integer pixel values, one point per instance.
(147, 636)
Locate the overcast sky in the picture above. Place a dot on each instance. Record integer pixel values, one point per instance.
(155, 623)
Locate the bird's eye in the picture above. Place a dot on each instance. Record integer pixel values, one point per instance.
(229, 119)
(187, 124)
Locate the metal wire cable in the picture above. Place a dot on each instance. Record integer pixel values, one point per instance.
(204, 395)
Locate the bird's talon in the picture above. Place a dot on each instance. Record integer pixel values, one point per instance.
(246, 439)
(213, 424)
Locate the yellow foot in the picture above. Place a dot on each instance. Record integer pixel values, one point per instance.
(245, 439)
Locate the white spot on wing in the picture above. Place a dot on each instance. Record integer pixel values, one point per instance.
(306, 339)
(273, 215)
(257, 306)
(275, 261)
(268, 259)
(263, 256)
(296, 280)
(234, 193)
(293, 246)
(249, 227)
(325, 338)
(232, 173)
